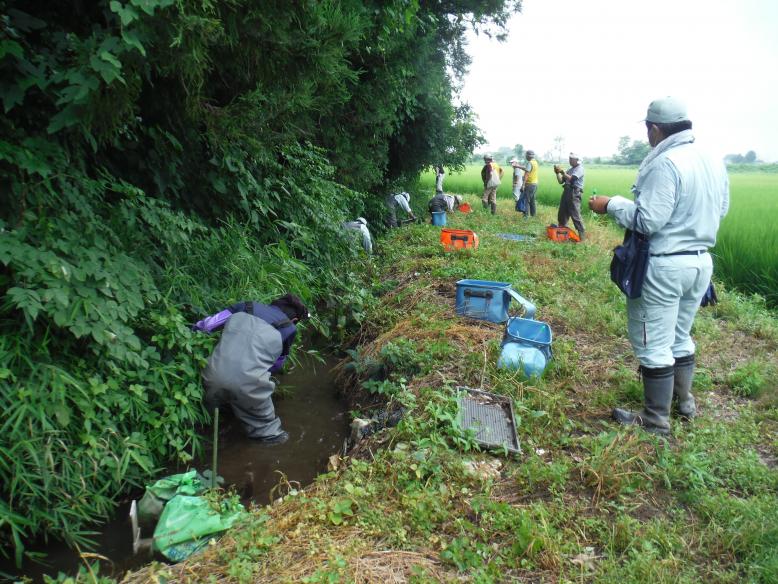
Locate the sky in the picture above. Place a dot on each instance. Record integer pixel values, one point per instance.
(587, 70)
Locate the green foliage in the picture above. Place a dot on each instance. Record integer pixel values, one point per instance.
(631, 153)
(752, 378)
(157, 166)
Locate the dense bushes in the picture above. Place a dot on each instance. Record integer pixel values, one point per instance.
(160, 158)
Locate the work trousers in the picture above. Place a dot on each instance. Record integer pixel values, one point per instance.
(659, 322)
(530, 190)
(490, 195)
(570, 208)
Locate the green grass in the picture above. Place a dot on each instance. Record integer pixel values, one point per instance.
(585, 501)
(747, 248)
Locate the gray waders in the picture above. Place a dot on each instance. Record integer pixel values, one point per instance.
(238, 373)
(657, 399)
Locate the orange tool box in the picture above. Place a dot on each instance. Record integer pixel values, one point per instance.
(556, 233)
(458, 238)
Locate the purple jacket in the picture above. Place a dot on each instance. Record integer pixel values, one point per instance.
(270, 314)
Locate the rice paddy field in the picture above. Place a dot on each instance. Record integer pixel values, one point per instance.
(746, 255)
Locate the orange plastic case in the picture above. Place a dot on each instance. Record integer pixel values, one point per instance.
(458, 239)
(559, 234)
(465, 208)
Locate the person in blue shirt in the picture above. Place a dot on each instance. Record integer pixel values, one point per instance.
(681, 195)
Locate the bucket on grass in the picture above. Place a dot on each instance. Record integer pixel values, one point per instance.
(438, 217)
(488, 300)
(530, 360)
(526, 346)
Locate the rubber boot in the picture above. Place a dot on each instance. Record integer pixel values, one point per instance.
(657, 399)
(494, 208)
(682, 389)
(582, 234)
(484, 204)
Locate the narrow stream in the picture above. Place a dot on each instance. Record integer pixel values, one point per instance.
(317, 422)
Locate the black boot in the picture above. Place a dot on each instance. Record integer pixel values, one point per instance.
(657, 398)
(682, 388)
(494, 208)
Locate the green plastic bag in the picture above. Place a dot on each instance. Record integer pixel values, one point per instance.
(156, 495)
(188, 523)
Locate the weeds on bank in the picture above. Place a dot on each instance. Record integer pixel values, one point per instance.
(585, 500)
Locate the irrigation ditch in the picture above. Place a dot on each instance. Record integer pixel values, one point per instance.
(582, 501)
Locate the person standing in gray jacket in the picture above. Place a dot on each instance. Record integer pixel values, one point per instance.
(681, 195)
(570, 203)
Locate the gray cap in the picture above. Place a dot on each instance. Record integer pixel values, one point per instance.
(666, 110)
(488, 157)
(530, 153)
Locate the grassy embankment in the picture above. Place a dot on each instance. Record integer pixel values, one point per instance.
(585, 501)
(747, 248)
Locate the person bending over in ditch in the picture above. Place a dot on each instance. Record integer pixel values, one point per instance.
(283, 313)
(681, 195)
(254, 343)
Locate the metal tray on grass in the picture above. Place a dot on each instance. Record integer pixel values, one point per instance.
(491, 417)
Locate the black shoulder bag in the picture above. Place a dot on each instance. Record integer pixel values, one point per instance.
(630, 262)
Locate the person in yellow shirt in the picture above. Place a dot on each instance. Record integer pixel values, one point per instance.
(530, 182)
(491, 175)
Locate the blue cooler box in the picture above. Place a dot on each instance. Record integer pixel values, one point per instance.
(487, 300)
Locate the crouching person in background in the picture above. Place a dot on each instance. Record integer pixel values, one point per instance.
(441, 202)
(395, 200)
(360, 225)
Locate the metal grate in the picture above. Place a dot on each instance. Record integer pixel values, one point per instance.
(490, 416)
(516, 236)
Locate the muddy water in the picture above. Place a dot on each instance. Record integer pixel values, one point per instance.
(317, 423)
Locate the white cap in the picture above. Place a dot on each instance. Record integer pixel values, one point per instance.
(407, 196)
(362, 220)
(458, 199)
(666, 110)
(574, 155)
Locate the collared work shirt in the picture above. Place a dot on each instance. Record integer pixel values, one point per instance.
(680, 197)
(576, 177)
